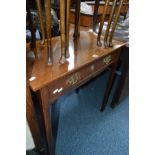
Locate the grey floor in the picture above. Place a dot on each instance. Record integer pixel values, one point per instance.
(84, 130)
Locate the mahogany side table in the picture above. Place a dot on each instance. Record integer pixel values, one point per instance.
(86, 61)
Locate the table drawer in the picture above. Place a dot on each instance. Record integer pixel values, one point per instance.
(80, 76)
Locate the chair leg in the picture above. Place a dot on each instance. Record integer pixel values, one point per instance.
(48, 18)
(77, 19)
(97, 2)
(62, 29)
(41, 25)
(115, 23)
(32, 29)
(109, 23)
(102, 23)
(67, 27)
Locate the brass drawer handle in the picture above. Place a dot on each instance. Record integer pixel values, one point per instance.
(73, 79)
(57, 90)
(107, 59)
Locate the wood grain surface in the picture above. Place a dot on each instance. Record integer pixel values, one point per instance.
(82, 51)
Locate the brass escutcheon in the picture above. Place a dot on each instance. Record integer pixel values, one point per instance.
(107, 59)
(73, 79)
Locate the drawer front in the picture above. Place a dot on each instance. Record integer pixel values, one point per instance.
(80, 76)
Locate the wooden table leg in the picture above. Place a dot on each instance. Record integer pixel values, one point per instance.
(124, 72)
(109, 86)
(77, 19)
(97, 2)
(46, 114)
(32, 122)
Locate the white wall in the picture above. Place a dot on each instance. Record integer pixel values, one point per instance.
(29, 140)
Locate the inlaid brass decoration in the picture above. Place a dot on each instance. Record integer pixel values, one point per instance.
(107, 59)
(73, 79)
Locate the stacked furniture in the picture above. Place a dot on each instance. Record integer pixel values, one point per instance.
(68, 61)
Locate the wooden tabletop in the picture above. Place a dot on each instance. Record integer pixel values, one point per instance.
(82, 52)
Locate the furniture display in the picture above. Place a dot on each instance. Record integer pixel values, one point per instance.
(64, 25)
(108, 41)
(86, 61)
(67, 62)
(93, 19)
(101, 6)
